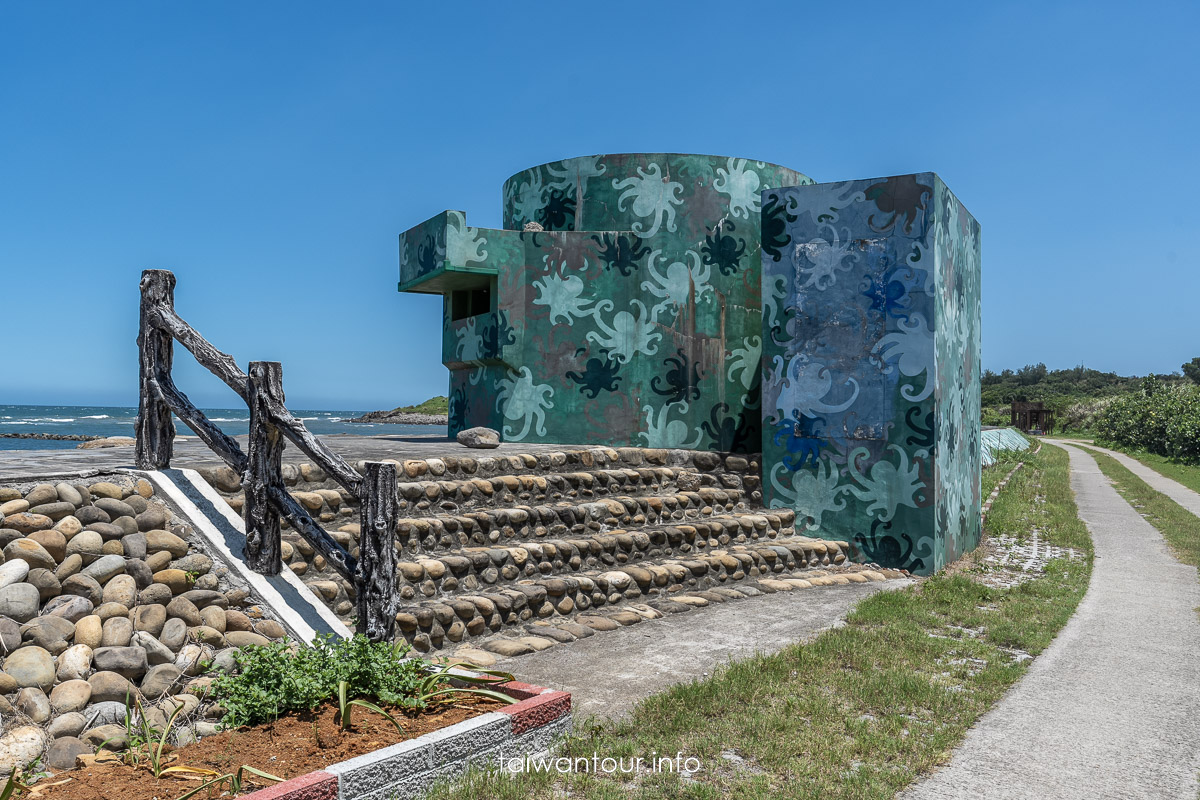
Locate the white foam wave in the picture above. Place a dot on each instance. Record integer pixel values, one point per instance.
(97, 416)
(228, 419)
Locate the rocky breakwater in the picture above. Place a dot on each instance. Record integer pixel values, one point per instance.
(402, 418)
(106, 599)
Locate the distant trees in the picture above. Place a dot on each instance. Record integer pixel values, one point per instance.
(1191, 370)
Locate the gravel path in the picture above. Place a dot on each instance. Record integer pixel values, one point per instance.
(1112, 708)
(1160, 483)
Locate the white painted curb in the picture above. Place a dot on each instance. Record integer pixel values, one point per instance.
(300, 629)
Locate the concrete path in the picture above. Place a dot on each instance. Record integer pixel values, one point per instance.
(608, 673)
(1173, 489)
(1112, 708)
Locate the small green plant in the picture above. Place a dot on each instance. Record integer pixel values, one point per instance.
(233, 781)
(273, 679)
(276, 678)
(12, 786)
(147, 743)
(345, 705)
(434, 685)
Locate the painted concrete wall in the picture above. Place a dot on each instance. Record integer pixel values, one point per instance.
(634, 318)
(871, 298)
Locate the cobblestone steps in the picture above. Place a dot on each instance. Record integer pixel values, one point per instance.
(493, 525)
(419, 498)
(768, 535)
(489, 619)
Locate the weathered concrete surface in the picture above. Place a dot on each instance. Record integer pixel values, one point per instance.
(1112, 708)
(190, 453)
(1160, 483)
(608, 673)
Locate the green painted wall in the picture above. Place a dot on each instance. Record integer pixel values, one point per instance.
(633, 318)
(871, 368)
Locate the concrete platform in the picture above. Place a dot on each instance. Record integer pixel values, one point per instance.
(190, 453)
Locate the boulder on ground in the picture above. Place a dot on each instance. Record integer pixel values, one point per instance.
(479, 438)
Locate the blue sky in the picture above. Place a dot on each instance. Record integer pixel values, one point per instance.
(269, 154)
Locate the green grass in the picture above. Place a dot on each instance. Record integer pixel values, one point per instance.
(434, 405)
(1180, 527)
(860, 711)
(1187, 474)
(1004, 462)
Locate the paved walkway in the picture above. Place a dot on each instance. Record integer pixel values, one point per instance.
(608, 673)
(1171, 488)
(1112, 708)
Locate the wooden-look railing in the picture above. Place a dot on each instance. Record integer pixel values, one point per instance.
(373, 573)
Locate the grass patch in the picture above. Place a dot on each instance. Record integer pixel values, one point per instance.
(860, 711)
(1180, 527)
(1003, 464)
(434, 405)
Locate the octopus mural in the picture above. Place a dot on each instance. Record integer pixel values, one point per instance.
(624, 301)
(874, 285)
(718, 303)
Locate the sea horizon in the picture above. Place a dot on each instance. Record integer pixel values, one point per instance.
(65, 420)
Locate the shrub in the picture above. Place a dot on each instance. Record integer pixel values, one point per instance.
(274, 679)
(1160, 419)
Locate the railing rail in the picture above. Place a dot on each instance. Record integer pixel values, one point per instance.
(373, 574)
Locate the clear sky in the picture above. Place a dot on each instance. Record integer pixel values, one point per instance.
(270, 152)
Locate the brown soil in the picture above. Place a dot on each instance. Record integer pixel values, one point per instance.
(292, 746)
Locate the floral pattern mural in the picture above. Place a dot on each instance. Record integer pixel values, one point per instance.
(871, 365)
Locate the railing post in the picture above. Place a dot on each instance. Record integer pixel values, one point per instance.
(375, 575)
(155, 430)
(263, 470)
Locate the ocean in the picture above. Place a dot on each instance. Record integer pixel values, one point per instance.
(118, 421)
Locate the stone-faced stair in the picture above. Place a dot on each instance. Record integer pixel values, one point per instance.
(492, 548)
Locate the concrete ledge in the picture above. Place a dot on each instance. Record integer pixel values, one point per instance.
(528, 728)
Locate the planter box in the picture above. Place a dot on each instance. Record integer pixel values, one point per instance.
(527, 728)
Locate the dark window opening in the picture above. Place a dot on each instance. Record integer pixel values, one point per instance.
(470, 302)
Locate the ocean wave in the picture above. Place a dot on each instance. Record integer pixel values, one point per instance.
(335, 419)
(97, 416)
(228, 419)
(38, 420)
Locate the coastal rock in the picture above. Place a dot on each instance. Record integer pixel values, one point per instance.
(13, 572)
(19, 602)
(88, 545)
(84, 586)
(33, 703)
(74, 663)
(479, 438)
(27, 523)
(41, 494)
(111, 687)
(52, 541)
(70, 724)
(32, 552)
(129, 662)
(89, 631)
(31, 666)
(105, 568)
(20, 746)
(50, 633)
(72, 695)
(65, 751)
(110, 441)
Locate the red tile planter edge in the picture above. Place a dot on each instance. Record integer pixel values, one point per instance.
(537, 706)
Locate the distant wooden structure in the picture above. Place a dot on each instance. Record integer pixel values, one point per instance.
(1032, 417)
